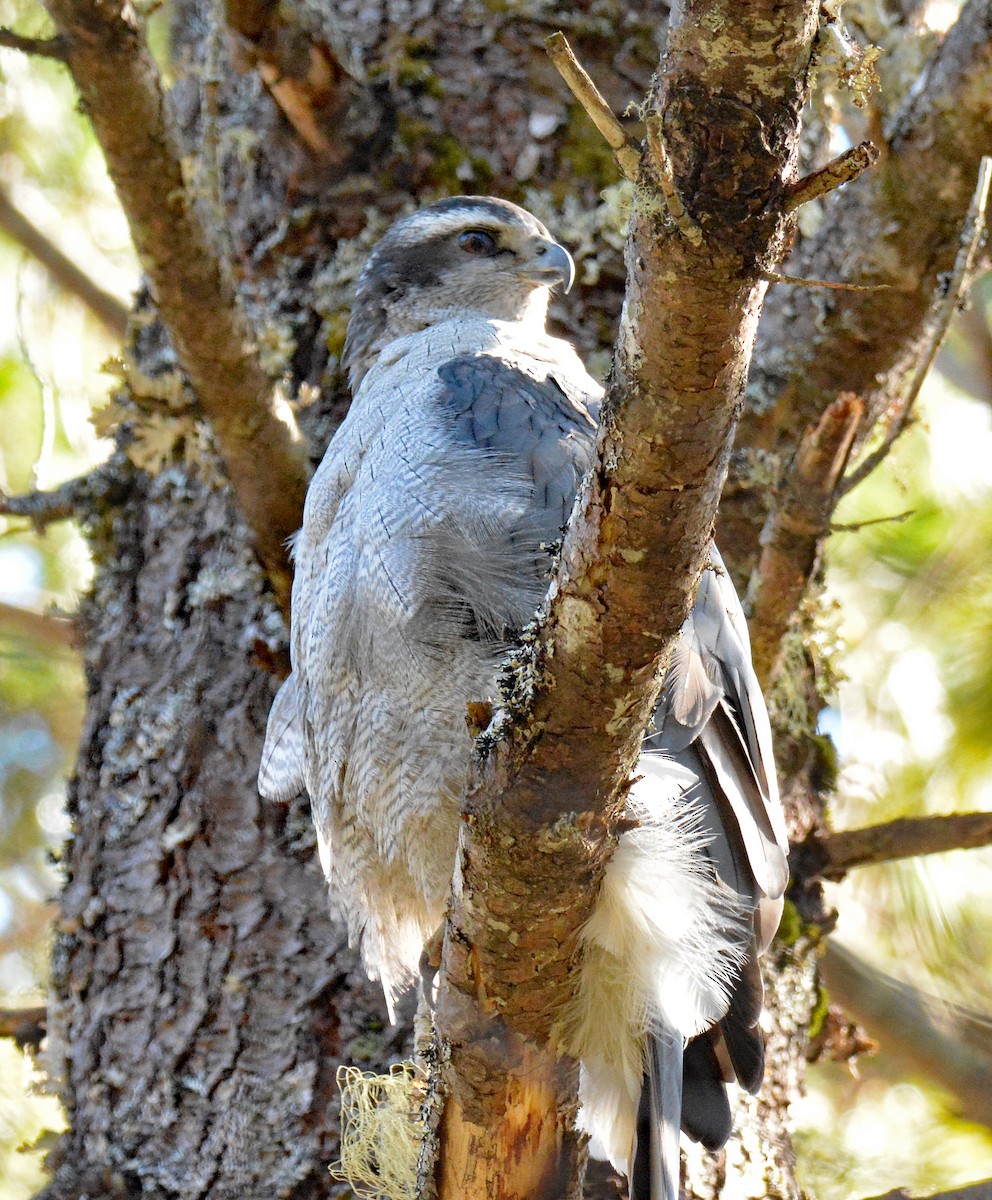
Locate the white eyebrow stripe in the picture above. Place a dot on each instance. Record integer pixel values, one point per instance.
(438, 224)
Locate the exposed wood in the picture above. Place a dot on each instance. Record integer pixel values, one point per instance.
(119, 84)
(303, 74)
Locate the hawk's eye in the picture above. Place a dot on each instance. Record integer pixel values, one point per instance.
(478, 241)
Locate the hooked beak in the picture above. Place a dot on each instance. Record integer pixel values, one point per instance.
(552, 264)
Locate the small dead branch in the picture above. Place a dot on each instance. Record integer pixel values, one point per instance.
(72, 500)
(796, 530)
(41, 47)
(67, 275)
(946, 1043)
(626, 150)
(840, 170)
(954, 290)
(27, 1026)
(39, 627)
(831, 284)
(305, 77)
(832, 855)
(666, 179)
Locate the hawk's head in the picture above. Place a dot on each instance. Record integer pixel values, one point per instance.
(469, 255)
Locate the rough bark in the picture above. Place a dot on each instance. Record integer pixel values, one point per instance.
(189, 1022)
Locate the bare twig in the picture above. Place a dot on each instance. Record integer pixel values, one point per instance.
(666, 179)
(42, 47)
(946, 1043)
(39, 627)
(831, 284)
(626, 150)
(63, 270)
(796, 530)
(832, 855)
(71, 500)
(857, 526)
(27, 1026)
(119, 84)
(838, 171)
(954, 288)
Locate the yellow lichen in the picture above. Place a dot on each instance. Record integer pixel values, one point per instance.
(381, 1131)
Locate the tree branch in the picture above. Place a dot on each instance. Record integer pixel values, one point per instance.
(101, 488)
(946, 1043)
(796, 531)
(41, 47)
(27, 1026)
(901, 226)
(257, 436)
(954, 289)
(832, 855)
(625, 149)
(67, 275)
(532, 854)
(843, 169)
(972, 1191)
(40, 627)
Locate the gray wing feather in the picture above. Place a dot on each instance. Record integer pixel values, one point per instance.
(711, 718)
(280, 776)
(657, 1166)
(711, 699)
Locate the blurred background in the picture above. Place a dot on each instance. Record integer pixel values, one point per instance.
(906, 641)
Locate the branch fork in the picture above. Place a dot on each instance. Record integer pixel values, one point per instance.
(840, 170)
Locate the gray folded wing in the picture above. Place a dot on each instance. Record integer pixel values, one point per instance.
(711, 718)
